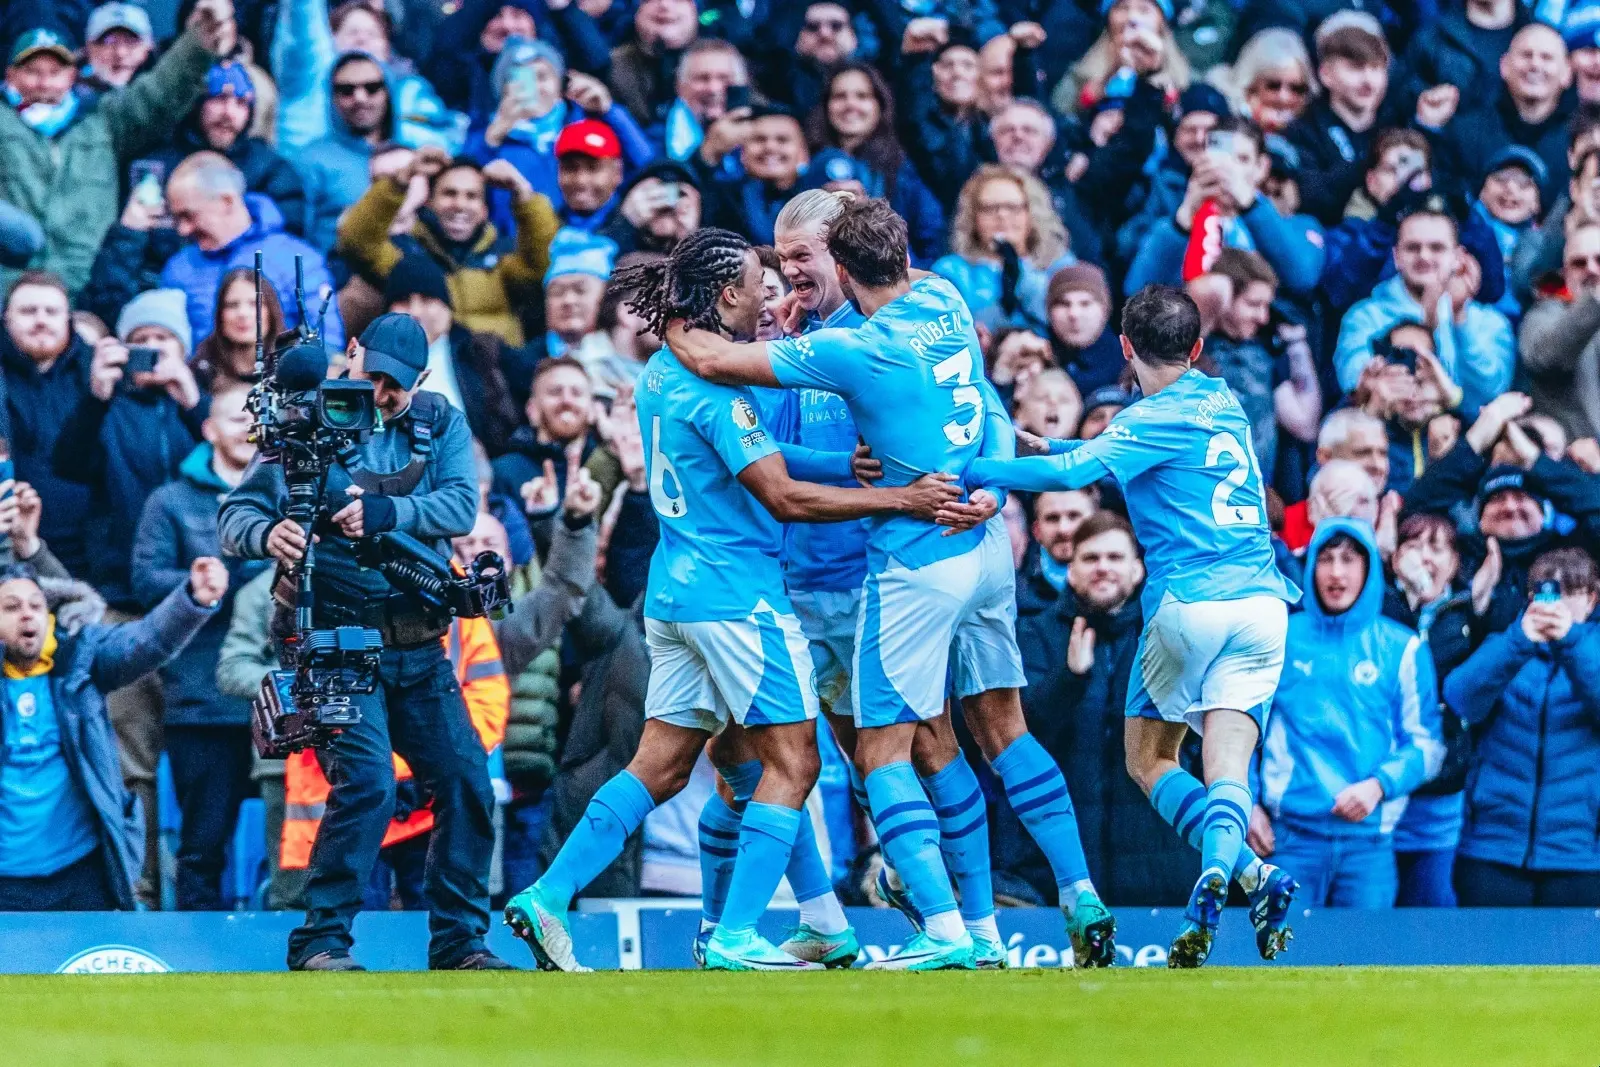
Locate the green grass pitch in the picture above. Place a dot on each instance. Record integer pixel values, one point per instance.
(1402, 1016)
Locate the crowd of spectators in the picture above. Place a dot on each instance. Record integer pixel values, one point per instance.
(1387, 210)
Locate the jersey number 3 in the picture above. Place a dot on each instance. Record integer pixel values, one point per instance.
(1244, 462)
(958, 368)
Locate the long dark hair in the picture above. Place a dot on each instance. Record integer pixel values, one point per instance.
(881, 150)
(214, 357)
(685, 284)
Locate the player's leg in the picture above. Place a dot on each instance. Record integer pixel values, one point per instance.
(762, 671)
(770, 824)
(682, 712)
(989, 676)
(963, 831)
(902, 654)
(738, 773)
(824, 935)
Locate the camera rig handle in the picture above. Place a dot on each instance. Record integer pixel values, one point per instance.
(408, 564)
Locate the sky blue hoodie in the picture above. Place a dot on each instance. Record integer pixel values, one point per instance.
(1358, 699)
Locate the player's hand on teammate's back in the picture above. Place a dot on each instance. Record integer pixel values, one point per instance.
(961, 516)
(864, 467)
(1260, 836)
(1355, 802)
(1080, 647)
(924, 497)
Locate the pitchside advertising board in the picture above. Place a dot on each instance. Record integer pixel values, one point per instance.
(647, 935)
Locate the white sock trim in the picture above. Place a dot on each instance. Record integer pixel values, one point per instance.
(824, 915)
(946, 926)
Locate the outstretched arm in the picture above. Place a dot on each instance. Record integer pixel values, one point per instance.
(717, 359)
(1040, 474)
(790, 501)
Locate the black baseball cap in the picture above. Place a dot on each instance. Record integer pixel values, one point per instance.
(395, 345)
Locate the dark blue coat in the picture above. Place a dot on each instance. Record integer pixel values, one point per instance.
(1532, 799)
(179, 526)
(38, 406)
(122, 452)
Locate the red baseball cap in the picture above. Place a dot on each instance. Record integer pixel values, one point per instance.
(590, 137)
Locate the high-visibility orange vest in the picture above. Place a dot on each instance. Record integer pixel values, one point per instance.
(475, 655)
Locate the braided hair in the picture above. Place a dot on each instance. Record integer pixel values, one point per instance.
(686, 284)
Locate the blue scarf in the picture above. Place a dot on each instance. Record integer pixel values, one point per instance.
(541, 132)
(47, 120)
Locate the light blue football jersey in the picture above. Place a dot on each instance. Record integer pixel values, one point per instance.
(824, 556)
(910, 377)
(1187, 467)
(718, 553)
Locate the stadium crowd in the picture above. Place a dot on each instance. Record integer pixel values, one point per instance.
(1387, 210)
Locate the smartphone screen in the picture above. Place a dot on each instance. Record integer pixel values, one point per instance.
(1220, 142)
(738, 96)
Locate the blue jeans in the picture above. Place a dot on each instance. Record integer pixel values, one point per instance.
(1337, 871)
(418, 712)
(526, 820)
(1425, 878)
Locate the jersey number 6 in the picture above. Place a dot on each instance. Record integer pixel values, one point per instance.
(671, 505)
(1244, 462)
(958, 368)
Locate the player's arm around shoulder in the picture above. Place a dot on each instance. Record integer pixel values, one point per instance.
(717, 359)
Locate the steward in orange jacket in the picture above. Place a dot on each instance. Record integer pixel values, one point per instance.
(475, 654)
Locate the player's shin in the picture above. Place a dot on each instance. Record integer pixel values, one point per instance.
(908, 832)
(964, 840)
(616, 811)
(766, 839)
(719, 836)
(1038, 795)
(1180, 799)
(813, 889)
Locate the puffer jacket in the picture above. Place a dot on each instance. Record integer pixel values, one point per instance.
(179, 525)
(89, 661)
(1533, 790)
(531, 732)
(489, 278)
(69, 182)
(1356, 700)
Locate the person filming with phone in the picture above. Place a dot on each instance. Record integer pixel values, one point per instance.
(1223, 207)
(1532, 695)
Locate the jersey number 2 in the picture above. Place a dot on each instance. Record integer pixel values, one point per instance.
(958, 368)
(1244, 461)
(667, 504)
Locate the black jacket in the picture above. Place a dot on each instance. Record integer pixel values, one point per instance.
(1333, 157)
(128, 263)
(265, 171)
(479, 360)
(944, 149)
(38, 407)
(1453, 51)
(1472, 138)
(1134, 856)
(122, 452)
(608, 643)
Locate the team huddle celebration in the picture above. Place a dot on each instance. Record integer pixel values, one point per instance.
(1098, 481)
(740, 661)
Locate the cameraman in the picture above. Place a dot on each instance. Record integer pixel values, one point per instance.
(423, 456)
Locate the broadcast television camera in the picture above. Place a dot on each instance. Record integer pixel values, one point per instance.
(305, 422)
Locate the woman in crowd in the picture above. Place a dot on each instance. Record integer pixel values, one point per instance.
(856, 117)
(1006, 241)
(1532, 695)
(1271, 82)
(228, 356)
(1137, 38)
